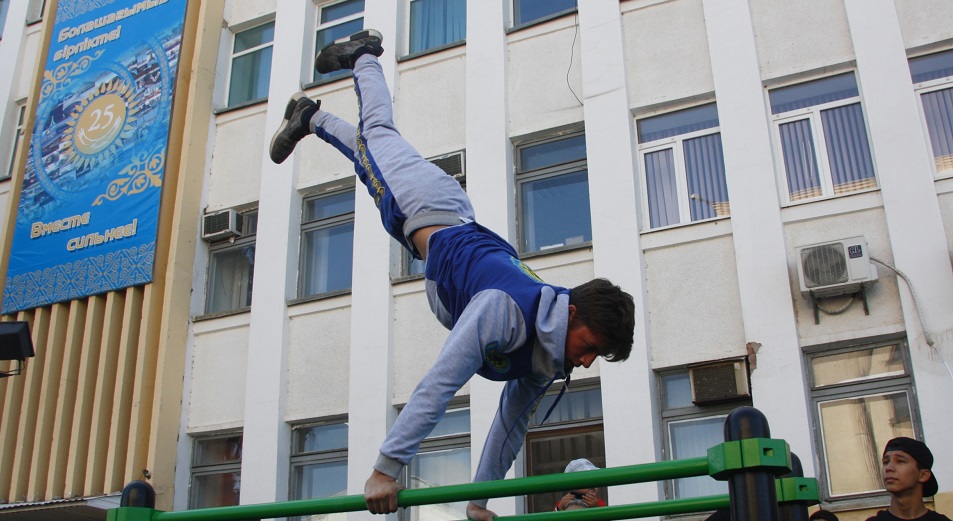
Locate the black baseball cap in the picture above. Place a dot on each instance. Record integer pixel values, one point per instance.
(920, 452)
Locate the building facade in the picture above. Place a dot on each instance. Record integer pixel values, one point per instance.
(770, 180)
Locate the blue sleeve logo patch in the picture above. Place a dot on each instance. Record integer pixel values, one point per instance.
(525, 269)
(495, 359)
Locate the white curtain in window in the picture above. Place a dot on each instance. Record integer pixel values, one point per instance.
(660, 183)
(848, 151)
(230, 279)
(800, 163)
(705, 168)
(938, 109)
(692, 439)
(436, 22)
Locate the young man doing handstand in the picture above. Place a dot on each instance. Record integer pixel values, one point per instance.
(505, 323)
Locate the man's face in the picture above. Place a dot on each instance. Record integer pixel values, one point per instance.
(900, 472)
(582, 345)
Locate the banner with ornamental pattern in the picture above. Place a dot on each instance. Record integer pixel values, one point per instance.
(89, 203)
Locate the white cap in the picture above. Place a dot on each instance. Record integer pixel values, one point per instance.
(580, 464)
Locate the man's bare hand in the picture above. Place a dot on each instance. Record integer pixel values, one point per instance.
(478, 513)
(564, 501)
(590, 499)
(380, 493)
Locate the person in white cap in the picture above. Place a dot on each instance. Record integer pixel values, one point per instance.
(582, 497)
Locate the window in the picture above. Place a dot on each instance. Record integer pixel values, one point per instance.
(933, 76)
(689, 430)
(231, 268)
(553, 187)
(574, 430)
(862, 397)
(35, 11)
(823, 138)
(435, 23)
(319, 464)
(216, 472)
(17, 138)
(327, 243)
(4, 5)
(251, 64)
(335, 21)
(684, 166)
(526, 11)
(443, 459)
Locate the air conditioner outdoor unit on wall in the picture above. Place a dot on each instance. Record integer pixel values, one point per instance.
(221, 225)
(719, 382)
(834, 268)
(453, 164)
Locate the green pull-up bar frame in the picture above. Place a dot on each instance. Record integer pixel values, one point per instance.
(728, 461)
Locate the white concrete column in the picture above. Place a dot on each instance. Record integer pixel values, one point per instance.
(370, 390)
(267, 437)
(489, 156)
(778, 390)
(628, 397)
(917, 237)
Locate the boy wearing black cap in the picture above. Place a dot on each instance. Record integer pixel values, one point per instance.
(905, 470)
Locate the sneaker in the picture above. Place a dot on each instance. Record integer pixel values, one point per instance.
(342, 54)
(294, 127)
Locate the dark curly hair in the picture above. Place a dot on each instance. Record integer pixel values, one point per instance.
(609, 312)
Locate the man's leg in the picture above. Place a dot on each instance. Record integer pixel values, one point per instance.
(414, 192)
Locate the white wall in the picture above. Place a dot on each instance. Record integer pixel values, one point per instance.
(703, 291)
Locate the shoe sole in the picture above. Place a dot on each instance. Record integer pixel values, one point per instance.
(360, 35)
(289, 110)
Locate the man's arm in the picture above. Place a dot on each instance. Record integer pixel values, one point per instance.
(505, 438)
(491, 317)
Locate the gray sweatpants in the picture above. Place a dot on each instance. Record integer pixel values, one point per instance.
(409, 191)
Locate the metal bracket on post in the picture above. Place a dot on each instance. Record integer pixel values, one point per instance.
(796, 493)
(137, 503)
(749, 460)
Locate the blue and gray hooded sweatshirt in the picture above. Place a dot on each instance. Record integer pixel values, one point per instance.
(505, 325)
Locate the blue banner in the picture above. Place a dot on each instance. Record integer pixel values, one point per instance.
(89, 204)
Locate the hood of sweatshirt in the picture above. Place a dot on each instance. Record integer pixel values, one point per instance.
(552, 323)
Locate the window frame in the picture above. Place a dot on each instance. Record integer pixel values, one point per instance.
(523, 177)
(514, 12)
(677, 144)
(819, 141)
(674, 415)
(212, 469)
(553, 429)
(436, 48)
(233, 56)
(926, 87)
(17, 141)
(326, 223)
(248, 238)
(304, 459)
(318, 27)
(875, 386)
(432, 444)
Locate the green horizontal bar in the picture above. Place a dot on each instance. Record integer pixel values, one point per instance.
(655, 508)
(685, 468)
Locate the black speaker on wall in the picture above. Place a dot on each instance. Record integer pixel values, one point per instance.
(15, 344)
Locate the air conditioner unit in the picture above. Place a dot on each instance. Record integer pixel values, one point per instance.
(719, 382)
(453, 164)
(221, 225)
(834, 268)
